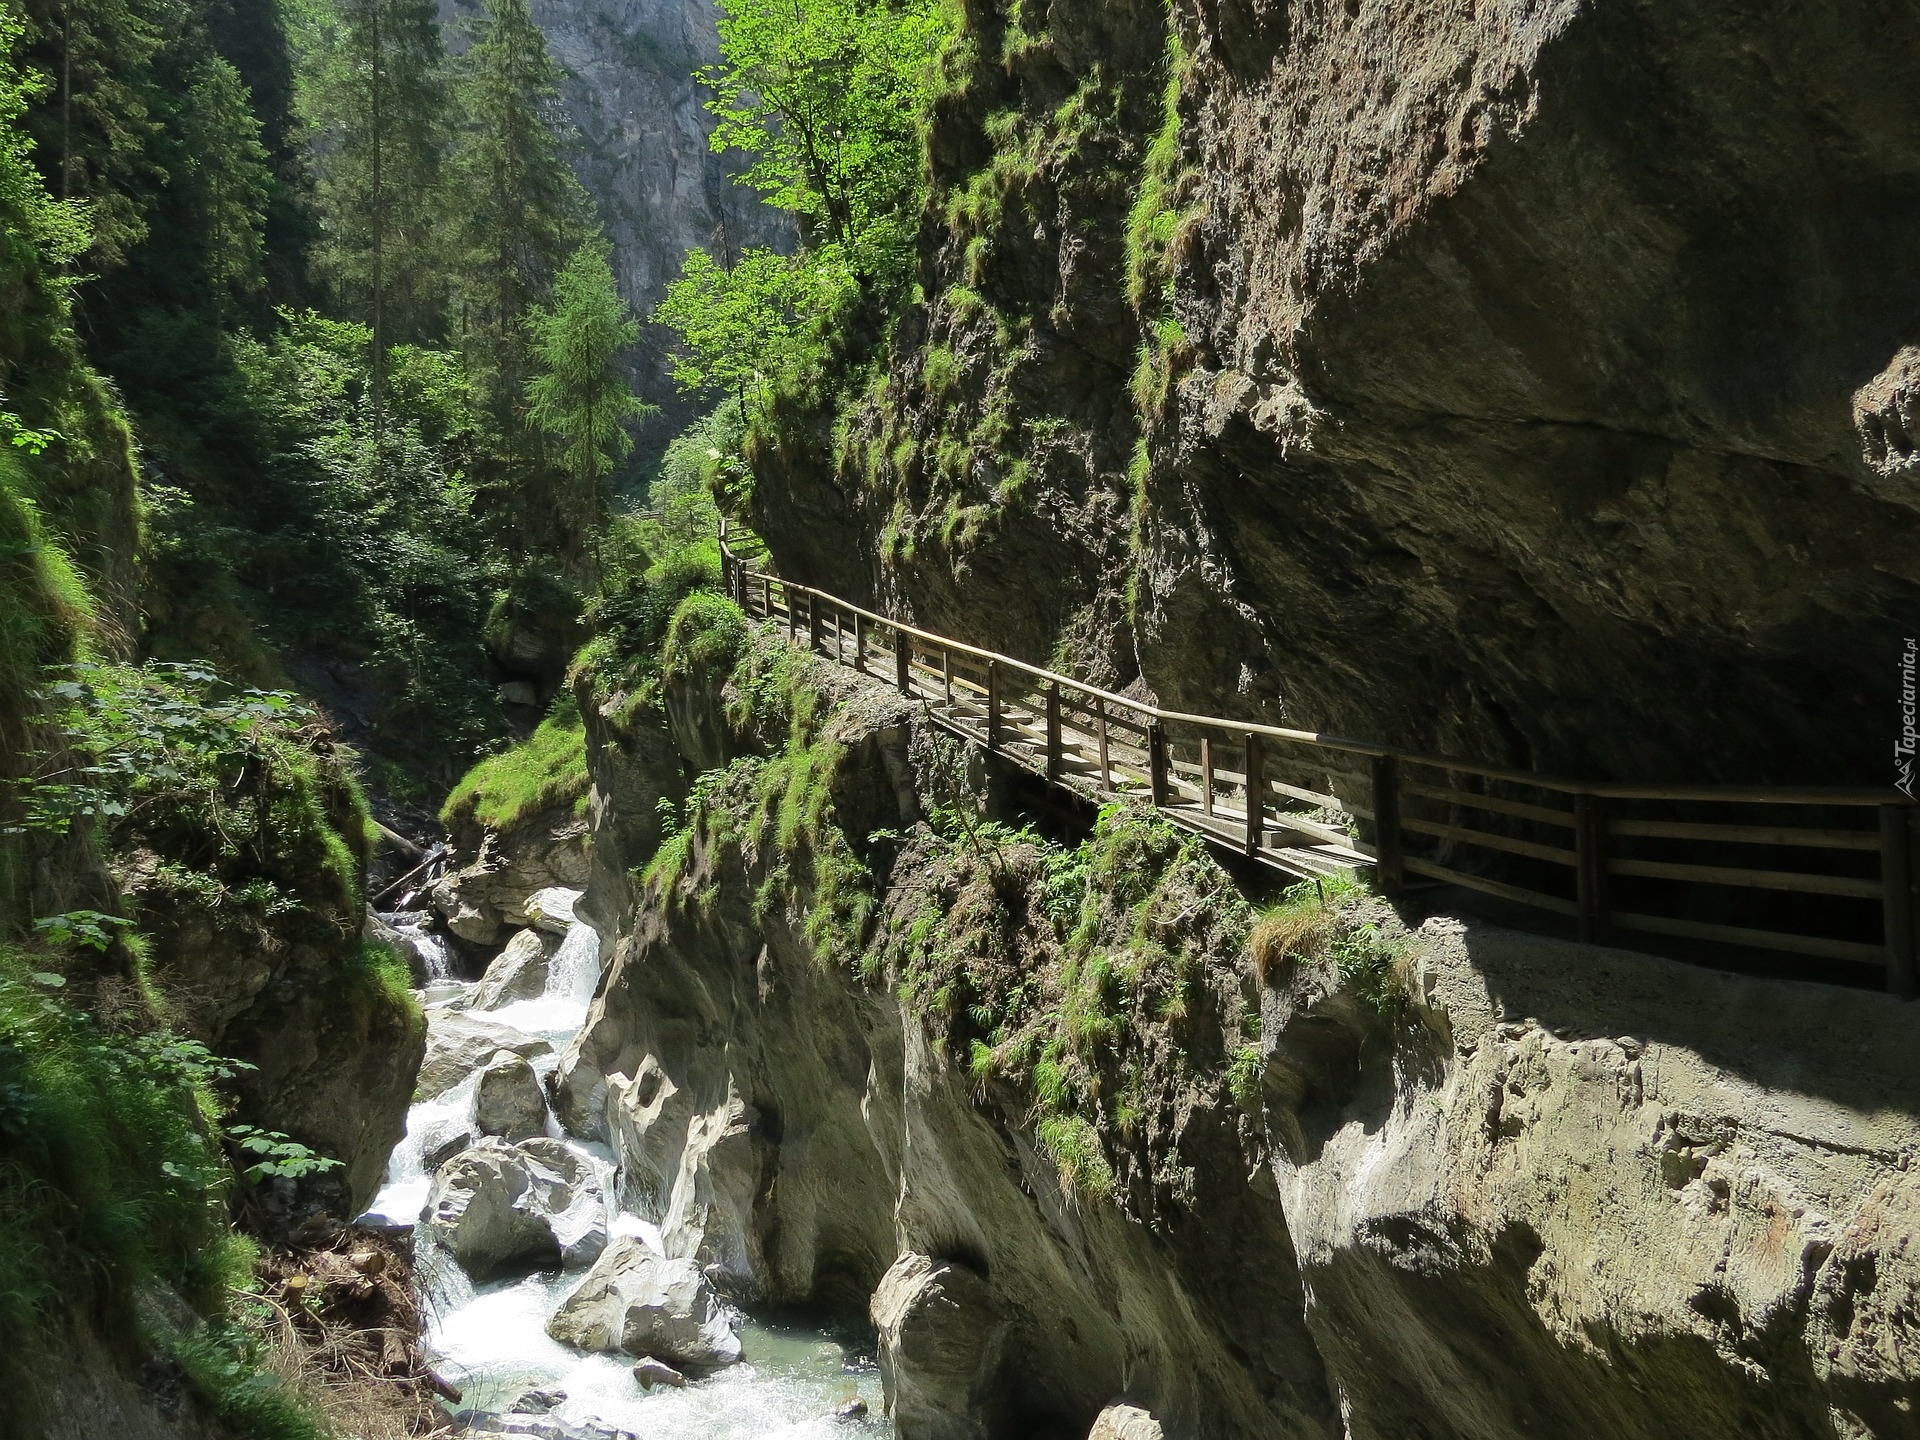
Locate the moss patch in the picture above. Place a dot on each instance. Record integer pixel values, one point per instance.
(547, 771)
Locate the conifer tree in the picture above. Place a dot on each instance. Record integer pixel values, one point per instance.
(374, 103)
(581, 395)
(521, 210)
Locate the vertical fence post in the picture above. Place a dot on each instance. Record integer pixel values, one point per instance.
(993, 705)
(793, 615)
(813, 622)
(1590, 865)
(1256, 793)
(903, 660)
(860, 643)
(1387, 869)
(1896, 887)
(1106, 764)
(1157, 762)
(1053, 730)
(839, 635)
(1206, 775)
(946, 673)
(766, 596)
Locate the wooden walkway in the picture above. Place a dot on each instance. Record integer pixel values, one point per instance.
(1825, 873)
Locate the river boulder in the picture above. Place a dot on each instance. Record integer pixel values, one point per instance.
(459, 1043)
(498, 1207)
(568, 1193)
(940, 1341)
(519, 972)
(507, 1100)
(637, 1300)
(482, 1210)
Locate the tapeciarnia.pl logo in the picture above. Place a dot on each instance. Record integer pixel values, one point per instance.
(1903, 748)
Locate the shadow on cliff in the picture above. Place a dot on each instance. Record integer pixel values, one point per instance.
(1852, 1047)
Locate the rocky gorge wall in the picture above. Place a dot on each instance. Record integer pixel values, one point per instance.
(1525, 380)
(1079, 1125)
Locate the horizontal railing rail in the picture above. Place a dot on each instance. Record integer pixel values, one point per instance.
(1825, 873)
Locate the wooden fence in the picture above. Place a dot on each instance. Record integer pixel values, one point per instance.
(1826, 873)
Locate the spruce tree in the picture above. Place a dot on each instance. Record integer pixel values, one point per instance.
(521, 213)
(581, 395)
(374, 101)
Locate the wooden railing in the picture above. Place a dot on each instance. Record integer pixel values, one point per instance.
(1826, 873)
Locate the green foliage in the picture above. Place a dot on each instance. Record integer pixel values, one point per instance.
(744, 325)
(279, 1155)
(227, 1365)
(1085, 978)
(90, 928)
(222, 166)
(826, 98)
(549, 770)
(109, 1172)
(707, 635)
(580, 395)
(1154, 217)
(222, 786)
(324, 549)
(39, 235)
(373, 101)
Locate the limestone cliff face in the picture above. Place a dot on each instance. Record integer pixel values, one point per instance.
(1532, 380)
(1508, 1187)
(643, 153)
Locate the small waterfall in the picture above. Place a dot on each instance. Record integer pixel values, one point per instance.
(416, 928)
(491, 1339)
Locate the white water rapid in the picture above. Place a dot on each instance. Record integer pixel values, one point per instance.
(491, 1340)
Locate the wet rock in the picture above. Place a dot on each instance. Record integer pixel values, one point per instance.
(508, 1101)
(497, 1207)
(551, 909)
(440, 1151)
(651, 1372)
(1121, 1421)
(852, 1410)
(537, 1402)
(635, 1299)
(544, 852)
(519, 972)
(483, 1210)
(568, 1194)
(459, 1043)
(940, 1340)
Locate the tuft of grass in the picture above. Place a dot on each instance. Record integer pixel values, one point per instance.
(708, 633)
(545, 772)
(1074, 1147)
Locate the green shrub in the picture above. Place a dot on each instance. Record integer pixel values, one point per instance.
(110, 1173)
(707, 634)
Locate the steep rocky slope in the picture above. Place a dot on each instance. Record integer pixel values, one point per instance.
(1530, 380)
(1077, 1124)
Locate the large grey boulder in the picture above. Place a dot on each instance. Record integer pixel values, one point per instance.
(568, 1194)
(519, 972)
(637, 1300)
(497, 1207)
(482, 1210)
(459, 1043)
(940, 1338)
(507, 1100)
